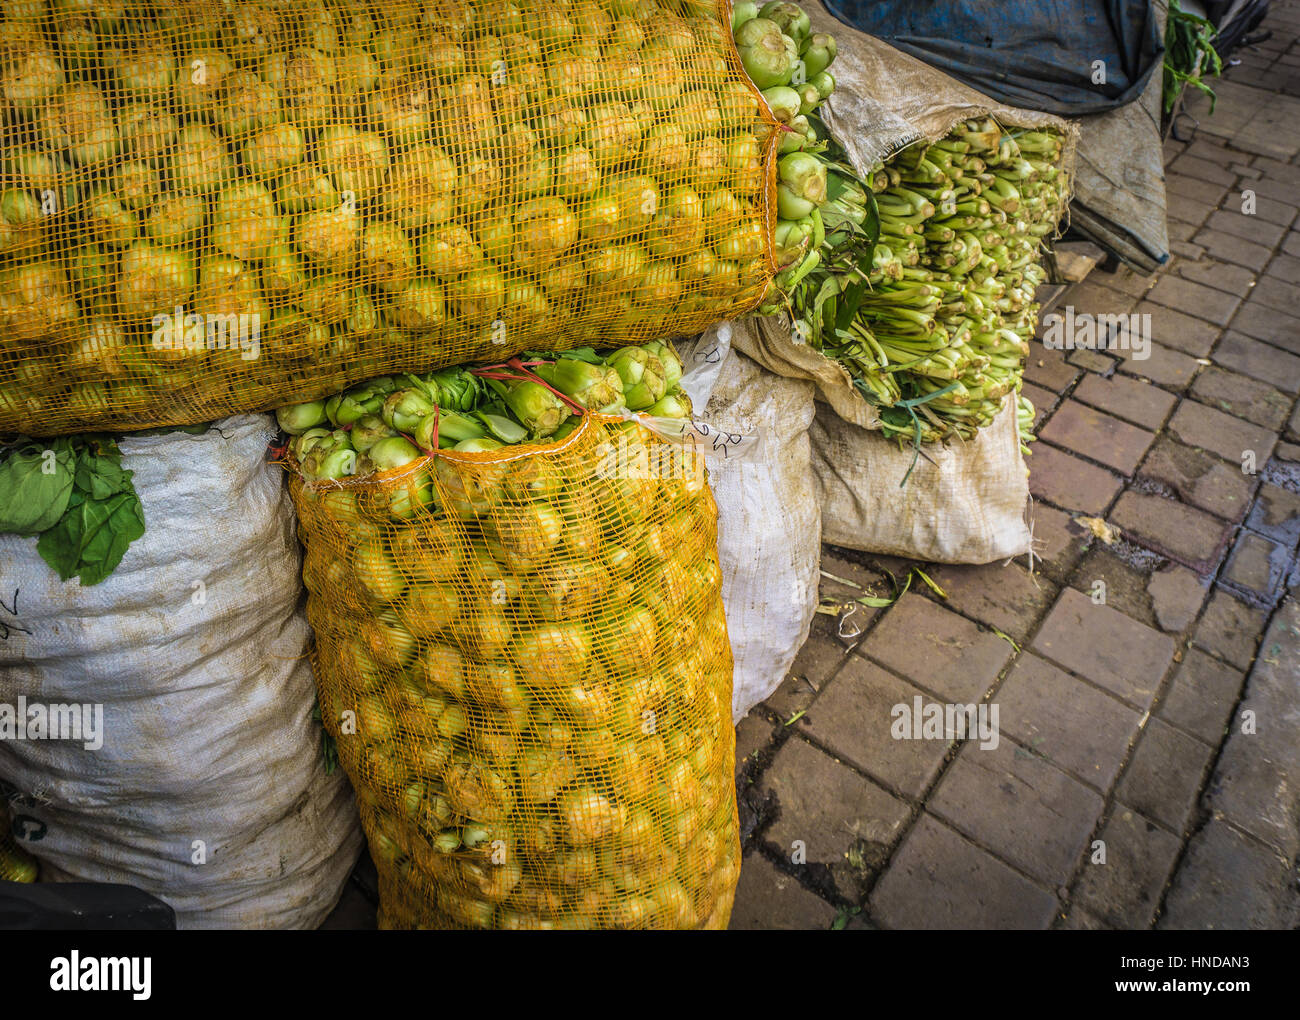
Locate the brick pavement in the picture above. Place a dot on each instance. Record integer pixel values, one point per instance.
(1148, 769)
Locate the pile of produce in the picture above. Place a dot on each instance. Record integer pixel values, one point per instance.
(389, 422)
(785, 58)
(521, 650)
(209, 207)
(925, 291)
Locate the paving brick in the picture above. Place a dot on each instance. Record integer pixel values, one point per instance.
(1164, 774)
(1257, 566)
(1069, 482)
(1293, 426)
(831, 810)
(1105, 646)
(1211, 429)
(754, 734)
(1006, 597)
(768, 899)
(1248, 228)
(1058, 542)
(1291, 245)
(1194, 166)
(796, 692)
(1222, 276)
(1177, 595)
(1186, 250)
(853, 717)
(1268, 324)
(1093, 297)
(1125, 891)
(1254, 780)
(1049, 369)
(1230, 248)
(937, 649)
(1020, 806)
(1284, 267)
(1200, 478)
(1202, 694)
(1276, 513)
(1043, 400)
(1127, 280)
(1259, 360)
(1125, 582)
(1079, 919)
(938, 880)
(1278, 294)
(1196, 299)
(1172, 328)
(1288, 451)
(1112, 442)
(1230, 629)
(1078, 727)
(1181, 232)
(1188, 535)
(1228, 883)
(855, 618)
(1189, 209)
(1091, 361)
(1162, 365)
(1242, 397)
(1132, 399)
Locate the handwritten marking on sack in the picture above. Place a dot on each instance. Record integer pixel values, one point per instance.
(28, 829)
(12, 610)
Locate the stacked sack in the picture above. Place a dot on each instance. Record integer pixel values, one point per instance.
(522, 656)
(211, 207)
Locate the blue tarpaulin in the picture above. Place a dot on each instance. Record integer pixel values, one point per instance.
(1037, 54)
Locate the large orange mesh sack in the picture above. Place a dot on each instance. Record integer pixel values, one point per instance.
(218, 206)
(523, 658)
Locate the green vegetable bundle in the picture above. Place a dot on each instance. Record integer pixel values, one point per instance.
(389, 422)
(218, 206)
(925, 289)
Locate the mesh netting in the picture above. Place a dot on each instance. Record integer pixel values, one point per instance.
(214, 207)
(523, 658)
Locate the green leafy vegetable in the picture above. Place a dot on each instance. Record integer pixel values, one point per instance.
(76, 495)
(35, 486)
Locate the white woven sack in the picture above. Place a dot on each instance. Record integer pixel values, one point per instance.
(209, 789)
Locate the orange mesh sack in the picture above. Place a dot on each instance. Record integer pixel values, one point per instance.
(219, 206)
(523, 658)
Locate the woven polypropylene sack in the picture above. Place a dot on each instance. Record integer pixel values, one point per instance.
(208, 787)
(216, 206)
(523, 657)
(957, 502)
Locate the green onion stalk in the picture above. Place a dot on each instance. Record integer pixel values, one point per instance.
(922, 282)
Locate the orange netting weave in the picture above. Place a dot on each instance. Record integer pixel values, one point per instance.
(220, 206)
(524, 660)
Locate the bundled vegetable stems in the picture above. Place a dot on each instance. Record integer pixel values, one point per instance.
(933, 316)
(392, 421)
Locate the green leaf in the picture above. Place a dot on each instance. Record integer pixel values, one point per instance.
(92, 537)
(35, 485)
